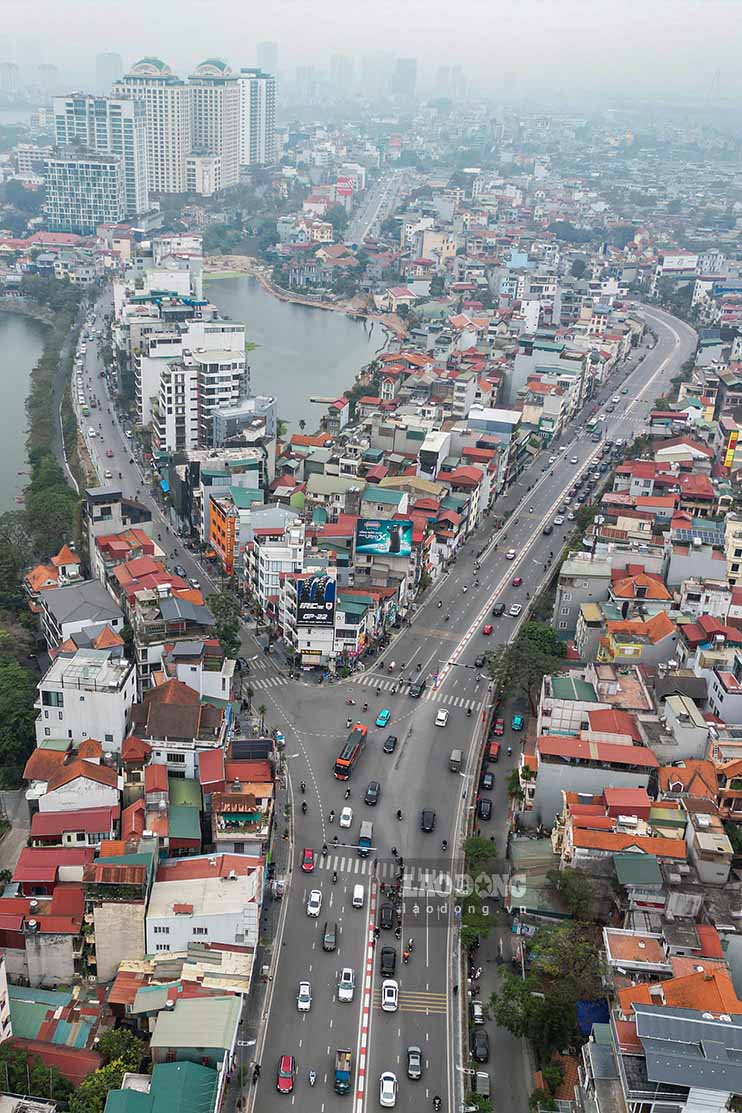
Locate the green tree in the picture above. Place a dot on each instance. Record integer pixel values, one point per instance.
(15, 556)
(541, 1099)
(569, 955)
(476, 918)
(519, 669)
(17, 718)
(121, 1043)
(478, 853)
(225, 607)
(578, 268)
(543, 638)
(577, 891)
(523, 1008)
(24, 1073)
(338, 218)
(92, 1093)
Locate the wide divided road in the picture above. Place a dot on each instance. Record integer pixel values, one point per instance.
(415, 776)
(376, 207)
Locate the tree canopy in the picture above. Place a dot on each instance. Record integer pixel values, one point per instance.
(519, 668)
(225, 607)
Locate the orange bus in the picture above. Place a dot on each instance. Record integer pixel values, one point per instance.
(350, 752)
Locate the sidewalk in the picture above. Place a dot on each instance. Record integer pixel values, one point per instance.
(237, 1093)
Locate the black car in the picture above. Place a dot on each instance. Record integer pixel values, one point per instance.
(373, 792)
(479, 660)
(386, 917)
(388, 962)
(417, 689)
(329, 936)
(480, 1045)
(484, 808)
(548, 528)
(179, 570)
(390, 744)
(427, 819)
(498, 610)
(487, 780)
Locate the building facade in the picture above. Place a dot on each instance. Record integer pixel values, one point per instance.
(257, 125)
(167, 100)
(83, 189)
(215, 118)
(109, 125)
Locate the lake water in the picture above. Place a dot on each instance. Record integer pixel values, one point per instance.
(301, 351)
(21, 343)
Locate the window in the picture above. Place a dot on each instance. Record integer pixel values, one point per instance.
(564, 610)
(176, 758)
(108, 737)
(200, 931)
(162, 929)
(566, 596)
(562, 625)
(47, 732)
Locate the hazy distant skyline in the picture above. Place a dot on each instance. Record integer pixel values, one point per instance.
(660, 47)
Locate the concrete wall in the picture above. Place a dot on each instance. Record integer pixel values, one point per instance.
(50, 958)
(552, 780)
(78, 794)
(119, 935)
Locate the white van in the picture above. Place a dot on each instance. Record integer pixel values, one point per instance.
(359, 896)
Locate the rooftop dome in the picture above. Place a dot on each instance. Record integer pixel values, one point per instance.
(212, 67)
(151, 67)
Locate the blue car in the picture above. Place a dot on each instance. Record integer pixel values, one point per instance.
(517, 722)
(383, 717)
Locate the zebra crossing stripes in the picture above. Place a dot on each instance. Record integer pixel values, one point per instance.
(337, 863)
(416, 1001)
(430, 694)
(269, 682)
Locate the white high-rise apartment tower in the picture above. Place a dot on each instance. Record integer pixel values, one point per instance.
(112, 126)
(168, 103)
(257, 117)
(215, 114)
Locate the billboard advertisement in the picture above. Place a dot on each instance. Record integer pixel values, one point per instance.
(384, 537)
(315, 601)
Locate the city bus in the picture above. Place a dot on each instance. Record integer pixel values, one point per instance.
(350, 752)
(592, 425)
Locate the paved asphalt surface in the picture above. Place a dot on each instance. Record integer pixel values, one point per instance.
(380, 202)
(313, 719)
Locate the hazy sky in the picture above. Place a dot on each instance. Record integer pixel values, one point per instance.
(641, 46)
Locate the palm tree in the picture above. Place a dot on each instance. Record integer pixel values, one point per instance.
(262, 711)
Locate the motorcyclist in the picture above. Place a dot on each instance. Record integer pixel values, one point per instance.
(331, 817)
(304, 807)
(399, 813)
(303, 786)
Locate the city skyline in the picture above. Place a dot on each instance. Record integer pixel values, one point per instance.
(547, 42)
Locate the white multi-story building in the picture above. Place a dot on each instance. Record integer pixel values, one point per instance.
(257, 141)
(215, 127)
(114, 126)
(216, 346)
(275, 550)
(86, 695)
(83, 189)
(168, 103)
(203, 173)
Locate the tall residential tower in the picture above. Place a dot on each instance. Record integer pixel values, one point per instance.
(257, 117)
(167, 100)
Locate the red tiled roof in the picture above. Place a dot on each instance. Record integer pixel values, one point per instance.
(41, 864)
(554, 745)
(613, 721)
(135, 749)
(75, 1063)
(155, 778)
(91, 820)
(86, 770)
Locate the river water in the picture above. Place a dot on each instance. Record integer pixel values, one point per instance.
(21, 342)
(302, 352)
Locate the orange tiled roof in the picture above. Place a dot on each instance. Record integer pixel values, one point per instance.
(697, 778)
(65, 556)
(614, 842)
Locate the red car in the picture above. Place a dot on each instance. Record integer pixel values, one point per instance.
(487, 629)
(285, 1075)
(499, 726)
(307, 860)
(517, 581)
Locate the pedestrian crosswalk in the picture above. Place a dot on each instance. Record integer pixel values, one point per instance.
(430, 694)
(415, 1001)
(353, 863)
(269, 682)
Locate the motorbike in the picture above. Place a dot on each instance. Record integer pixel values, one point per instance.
(312, 1077)
(331, 817)
(436, 1103)
(350, 702)
(303, 807)
(390, 667)
(510, 751)
(468, 712)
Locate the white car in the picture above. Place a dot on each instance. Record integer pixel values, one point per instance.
(129, 434)
(304, 997)
(559, 520)
(347, 984)
(388, 1090)
(573, 460)
(346, 818)
(515, 610)
(552, 459)
(91, 431)
(107, 474)
(441, 718)
(314, 904)
(601, 417)
(510, 554)
(389, 995)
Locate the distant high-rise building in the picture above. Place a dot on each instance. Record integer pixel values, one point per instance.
(458, 83)
(110, 125)
(168, 103)
(442, 82)
(404, 78)
(49, 79)
(215, 128)
(9, 75)
(341, 73)
(268, 57)
(108, 69)
(83, 189)
(257, 117)
(376, 72)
